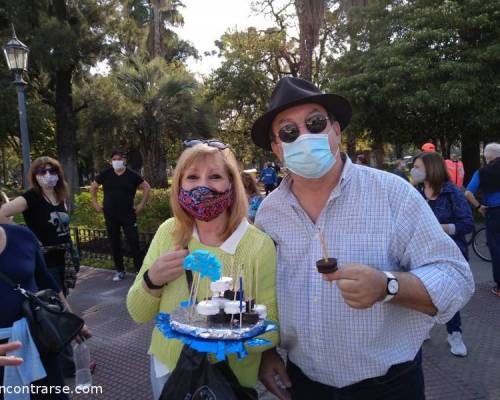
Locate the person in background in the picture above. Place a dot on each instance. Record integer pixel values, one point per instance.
(209, 208)
(22, 262)
(487, 181)
(361, 159)
(253, 195)
(399, 169)
(455, 169)
(120, 185)
(45, 212)
(398, 272)
(428, 147)
(453, 213)
(269, 178)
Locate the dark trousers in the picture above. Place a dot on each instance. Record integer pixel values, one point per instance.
(493, 239)
(54, 378)
(402, 381)
(454, 324)
(269, 188)
(129, 225)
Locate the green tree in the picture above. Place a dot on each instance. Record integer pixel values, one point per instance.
(167, 104)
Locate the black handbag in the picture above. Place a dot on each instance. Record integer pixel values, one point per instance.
(195, 378)
(51, 326)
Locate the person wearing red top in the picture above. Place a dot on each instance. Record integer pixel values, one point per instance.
(428, 147)
(455, 169)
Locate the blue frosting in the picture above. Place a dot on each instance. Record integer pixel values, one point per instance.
(204, 262)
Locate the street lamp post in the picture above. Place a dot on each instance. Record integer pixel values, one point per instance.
(16, 54)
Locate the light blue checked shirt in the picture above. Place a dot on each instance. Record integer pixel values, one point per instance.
(374, 218)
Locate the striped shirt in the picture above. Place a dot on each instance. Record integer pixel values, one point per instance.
(373, 218)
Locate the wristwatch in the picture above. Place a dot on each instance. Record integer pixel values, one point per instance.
(392, 287)
(150, 284)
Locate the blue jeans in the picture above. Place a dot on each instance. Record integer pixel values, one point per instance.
(493, 239)
(402, 381)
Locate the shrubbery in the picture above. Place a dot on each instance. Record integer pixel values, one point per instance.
(156, 211)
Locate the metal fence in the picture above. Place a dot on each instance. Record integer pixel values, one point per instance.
(93, 244)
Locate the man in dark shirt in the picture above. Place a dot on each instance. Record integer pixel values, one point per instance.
(120, 185)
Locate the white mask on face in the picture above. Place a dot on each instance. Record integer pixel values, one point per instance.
(417, 175)
(117, 164)
(47, 181)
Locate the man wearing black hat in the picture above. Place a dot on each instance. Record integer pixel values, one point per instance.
(398, 272)
(120, 185)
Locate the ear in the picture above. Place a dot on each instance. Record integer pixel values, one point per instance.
(277, 150)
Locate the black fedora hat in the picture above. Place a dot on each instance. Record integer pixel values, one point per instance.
(290, 92)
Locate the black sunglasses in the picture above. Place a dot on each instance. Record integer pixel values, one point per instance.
(314, 124)
(212, 143)
(43, 171)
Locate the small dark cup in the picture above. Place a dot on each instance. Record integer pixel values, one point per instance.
(327, 267)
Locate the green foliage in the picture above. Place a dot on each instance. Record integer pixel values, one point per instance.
(157, 210)
(416, 70)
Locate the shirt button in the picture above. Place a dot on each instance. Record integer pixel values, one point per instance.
(315, 299)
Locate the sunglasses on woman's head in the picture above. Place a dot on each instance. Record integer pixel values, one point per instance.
(315, 124)
(43, 171)
(212, 143)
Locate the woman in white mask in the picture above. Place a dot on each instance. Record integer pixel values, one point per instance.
(446, 200)
(45, 212)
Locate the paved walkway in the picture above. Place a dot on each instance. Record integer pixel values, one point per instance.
(119, 345)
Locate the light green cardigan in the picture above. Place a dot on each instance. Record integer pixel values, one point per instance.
(255, 251)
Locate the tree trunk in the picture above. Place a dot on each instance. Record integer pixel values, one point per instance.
(378, 151)
(154, 160)
(66, 131)
(470, 156)
(310, 14)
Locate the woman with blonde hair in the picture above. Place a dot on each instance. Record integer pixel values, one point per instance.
(209, 207)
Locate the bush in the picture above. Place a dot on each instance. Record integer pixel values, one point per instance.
(157, 210)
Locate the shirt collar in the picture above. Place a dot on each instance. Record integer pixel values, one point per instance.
(231, 243)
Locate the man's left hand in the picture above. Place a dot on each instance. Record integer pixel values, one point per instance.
(361, 286)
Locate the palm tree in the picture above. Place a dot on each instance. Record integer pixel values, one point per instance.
(166, 104)
(162, 11)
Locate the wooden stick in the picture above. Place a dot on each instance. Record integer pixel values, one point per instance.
(323, 245)
(196, 293)
(241, 300)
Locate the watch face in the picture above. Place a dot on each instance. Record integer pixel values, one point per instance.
(393, 286)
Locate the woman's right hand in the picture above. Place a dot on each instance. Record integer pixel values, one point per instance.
(167, 267)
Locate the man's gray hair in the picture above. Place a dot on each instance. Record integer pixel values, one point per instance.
(492, 150)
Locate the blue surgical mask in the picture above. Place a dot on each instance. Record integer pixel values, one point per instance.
(309, 155)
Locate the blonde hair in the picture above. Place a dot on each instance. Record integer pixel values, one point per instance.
(61, 187)
(184, 222)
